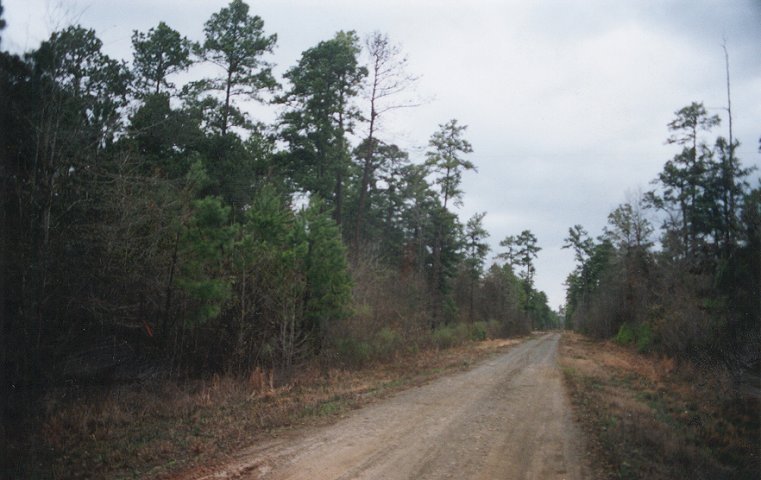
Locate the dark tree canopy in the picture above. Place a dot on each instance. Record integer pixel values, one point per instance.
(320, 114)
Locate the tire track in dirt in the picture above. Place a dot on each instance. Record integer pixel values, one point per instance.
(506, 418)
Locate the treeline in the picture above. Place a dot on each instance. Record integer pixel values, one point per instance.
(690, 288)
(154, 228)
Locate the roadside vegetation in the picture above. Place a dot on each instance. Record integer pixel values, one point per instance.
(688, 288)
(651, 417)
(165, 429)
(667, 381)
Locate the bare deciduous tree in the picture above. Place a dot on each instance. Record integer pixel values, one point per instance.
(388, 78)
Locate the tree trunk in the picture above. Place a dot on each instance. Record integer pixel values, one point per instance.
(436, 282)
(367, 170)
(169, 291)
(472, 289)
(366, 173)
(338, 214)
(728, 163)
(226, 112)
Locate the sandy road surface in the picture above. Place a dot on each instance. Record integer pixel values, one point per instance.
(508, 418)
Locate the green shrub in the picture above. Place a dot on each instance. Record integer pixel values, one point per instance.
(644, 337)
(640, 336)
(450, 311)
(495, 329)
(447, 336)
(625, 335)
(444, 337)
(352, 351)
(386, 342)
(479, 331)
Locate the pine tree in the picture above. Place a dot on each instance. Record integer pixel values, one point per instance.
(320, 115)
(328, 286)
(476, 250)
(235, 41)
(158, 54)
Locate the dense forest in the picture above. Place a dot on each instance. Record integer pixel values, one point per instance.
(153, 229)
(694, 291)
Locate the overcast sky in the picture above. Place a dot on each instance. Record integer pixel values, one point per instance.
(566, 101)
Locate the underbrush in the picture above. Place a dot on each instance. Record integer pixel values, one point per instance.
(640, 335)
(160, 429)
(359, 350)
(649, 418)
(447, 336)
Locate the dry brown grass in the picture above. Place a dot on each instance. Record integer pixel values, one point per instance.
(498, 343)
(164, 429)
(649, 418)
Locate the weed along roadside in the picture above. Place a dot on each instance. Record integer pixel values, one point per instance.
(649, 418)
(162, 430)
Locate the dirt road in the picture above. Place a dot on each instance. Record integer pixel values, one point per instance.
(507, 418)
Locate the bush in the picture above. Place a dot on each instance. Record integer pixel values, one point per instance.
(644, 338)
(640, 335)
(386, 342)
(443, 337)
(495, 329)
(352, 351)
(625, 335)
(447, 336)
(479, 331)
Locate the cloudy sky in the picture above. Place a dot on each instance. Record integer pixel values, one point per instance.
(566, 101)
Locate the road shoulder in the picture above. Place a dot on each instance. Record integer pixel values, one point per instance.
(647, 418)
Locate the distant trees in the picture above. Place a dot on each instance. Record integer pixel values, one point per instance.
(521, 252)
(526, 253)
(701, 187)
(615, 263)
(501, 298)
(693, 296)
(476, 250)
(681, 176)
(445, 158)
(387, 78)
